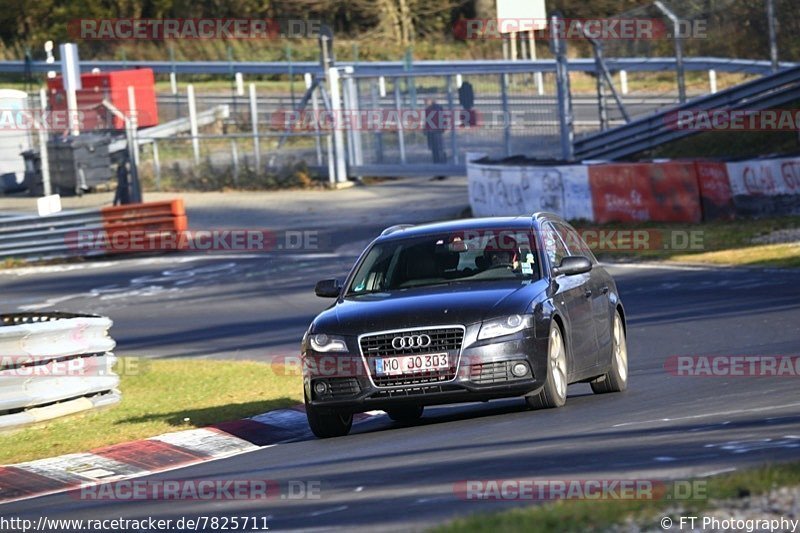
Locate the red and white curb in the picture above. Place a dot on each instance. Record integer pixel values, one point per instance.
(157, 454)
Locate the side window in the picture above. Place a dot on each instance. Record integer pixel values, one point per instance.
(575, 244)
(555, 249)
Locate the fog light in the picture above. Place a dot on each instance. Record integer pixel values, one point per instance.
(519, 369)
(320, 387)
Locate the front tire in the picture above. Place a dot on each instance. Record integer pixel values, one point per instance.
(616, 379)
(327, 424)
(554, 392)
(410, 413)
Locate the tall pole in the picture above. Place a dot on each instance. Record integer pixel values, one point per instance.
(559, 49)
(45, 161)
(773, 35)
(676, 29)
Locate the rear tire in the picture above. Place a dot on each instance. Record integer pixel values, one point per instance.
(327, 424)
(410, 413)
(554, 392)
(616, 379)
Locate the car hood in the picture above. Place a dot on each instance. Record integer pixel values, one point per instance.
(427, 306)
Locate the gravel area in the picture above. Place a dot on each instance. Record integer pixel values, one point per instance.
(791, 235)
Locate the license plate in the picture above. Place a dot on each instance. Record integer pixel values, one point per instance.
(411, 364)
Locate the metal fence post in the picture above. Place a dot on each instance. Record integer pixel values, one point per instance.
(773, 37)
(676, 29)
(379, 147)
(156, 164)
(712, 80)
(602, 108)
(453, 115)
(193, 123)
(537, 76)
(235, 160)
(254, 120)
(133, 147)
(506, 117)
(338, 137)
(173, 82)
(399, 107)
(315, 109)
(559, 48)
(45, 160)
(355, 115)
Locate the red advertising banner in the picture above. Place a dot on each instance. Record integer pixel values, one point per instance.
(716, 197)
(630, 192)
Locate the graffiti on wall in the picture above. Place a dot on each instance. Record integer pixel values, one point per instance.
(497, 190)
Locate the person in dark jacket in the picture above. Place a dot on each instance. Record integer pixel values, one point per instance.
(434, 130)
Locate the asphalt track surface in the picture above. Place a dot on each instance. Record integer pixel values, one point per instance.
(394, 477)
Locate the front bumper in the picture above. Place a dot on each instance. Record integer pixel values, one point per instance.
(483, 373)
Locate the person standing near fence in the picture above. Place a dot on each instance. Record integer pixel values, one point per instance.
(434, 130)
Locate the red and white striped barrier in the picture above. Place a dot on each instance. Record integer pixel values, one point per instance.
(667, 191)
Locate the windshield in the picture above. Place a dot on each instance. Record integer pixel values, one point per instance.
(476, 256)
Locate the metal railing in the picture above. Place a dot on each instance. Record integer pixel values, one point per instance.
(645, 133)
(72, 233)
(378, 68)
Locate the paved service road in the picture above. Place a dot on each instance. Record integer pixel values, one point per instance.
(233, 305)
(387, 476)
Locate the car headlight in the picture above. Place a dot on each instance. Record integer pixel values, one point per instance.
(505, 326)
(327, 343)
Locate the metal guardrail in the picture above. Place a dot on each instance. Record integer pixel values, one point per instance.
(54, 364)
(647, 132)
(35, 237)
(60, 234)
(173, 127)
(419, 68)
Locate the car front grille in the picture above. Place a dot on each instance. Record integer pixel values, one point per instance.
(446, 339)
(497, 372)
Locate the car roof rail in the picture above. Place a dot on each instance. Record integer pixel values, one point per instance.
(396, 228)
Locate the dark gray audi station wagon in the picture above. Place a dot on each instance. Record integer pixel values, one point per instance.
(462, 311)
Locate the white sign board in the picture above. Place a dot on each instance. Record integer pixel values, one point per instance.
(497, 190)
(70, 67)
(48, 205)
(533, 12)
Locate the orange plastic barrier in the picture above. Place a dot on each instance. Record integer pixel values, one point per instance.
(126, 224)
(631, 192)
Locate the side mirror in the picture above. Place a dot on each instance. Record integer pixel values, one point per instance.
(328, 288)
(572, 265)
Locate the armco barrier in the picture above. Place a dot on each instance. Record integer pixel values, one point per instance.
(633, 192)
(52, 365)
(764, 187)
(34, 237)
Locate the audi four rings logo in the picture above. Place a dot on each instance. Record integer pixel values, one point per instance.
(411, 341)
